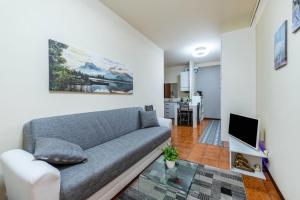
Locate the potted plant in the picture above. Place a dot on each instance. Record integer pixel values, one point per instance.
(170, 156)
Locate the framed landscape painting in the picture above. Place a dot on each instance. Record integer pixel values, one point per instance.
(75, 70)
(280, 46)
(296, 15)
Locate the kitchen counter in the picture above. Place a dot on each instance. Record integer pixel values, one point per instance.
(193, 108)
(196, 113)
(172, 100)
(171, 106)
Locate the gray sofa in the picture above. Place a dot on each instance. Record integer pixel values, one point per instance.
(112, 140)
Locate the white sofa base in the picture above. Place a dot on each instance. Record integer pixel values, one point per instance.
(29, 179)
(115, 186)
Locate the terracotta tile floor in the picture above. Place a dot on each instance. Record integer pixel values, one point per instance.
(185, 139)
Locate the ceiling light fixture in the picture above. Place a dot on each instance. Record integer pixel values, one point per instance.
(200, 52)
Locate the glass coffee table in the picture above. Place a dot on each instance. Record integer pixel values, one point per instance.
(159, 182)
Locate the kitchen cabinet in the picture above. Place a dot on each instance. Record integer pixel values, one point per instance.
(170, 110)
(185, 81)
(167, 90)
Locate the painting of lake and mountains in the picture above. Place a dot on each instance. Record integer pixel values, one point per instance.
(74, 70)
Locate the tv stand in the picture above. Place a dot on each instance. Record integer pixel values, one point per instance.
(252, 155)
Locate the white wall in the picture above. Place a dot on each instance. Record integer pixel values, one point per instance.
(25, 29)
(238, 76)
(172, 74)
(207, 80)
(278, 98)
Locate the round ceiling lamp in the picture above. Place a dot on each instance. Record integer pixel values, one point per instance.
(200, 52)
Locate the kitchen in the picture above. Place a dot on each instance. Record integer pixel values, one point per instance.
(196, 85)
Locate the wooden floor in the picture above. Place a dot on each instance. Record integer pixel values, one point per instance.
(185, 139)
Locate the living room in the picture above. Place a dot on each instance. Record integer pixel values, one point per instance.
(54, 49)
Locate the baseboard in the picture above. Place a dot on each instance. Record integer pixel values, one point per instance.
(275, 185)
(212, 118)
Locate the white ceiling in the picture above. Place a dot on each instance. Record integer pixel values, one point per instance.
(178, 26)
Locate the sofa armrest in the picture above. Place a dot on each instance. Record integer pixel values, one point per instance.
(165, 122)
(29, 179)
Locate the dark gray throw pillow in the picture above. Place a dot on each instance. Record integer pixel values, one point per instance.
(57, 151)
(148, 119)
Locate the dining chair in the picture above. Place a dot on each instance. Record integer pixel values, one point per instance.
(184, 113)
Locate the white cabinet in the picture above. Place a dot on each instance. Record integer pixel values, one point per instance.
(253, 156)
(185, 81)
(170, 110)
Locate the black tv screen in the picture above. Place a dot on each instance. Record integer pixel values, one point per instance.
(245, 129)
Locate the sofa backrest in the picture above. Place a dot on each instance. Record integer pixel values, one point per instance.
(85, 129)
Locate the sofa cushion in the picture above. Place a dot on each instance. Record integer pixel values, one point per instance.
(148, 119)
(109, 160)
(56, 151)
(86, 129)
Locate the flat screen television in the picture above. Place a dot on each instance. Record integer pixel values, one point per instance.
(244, 129)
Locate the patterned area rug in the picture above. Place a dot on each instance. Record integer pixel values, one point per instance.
(209, 183)
(212, 133)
